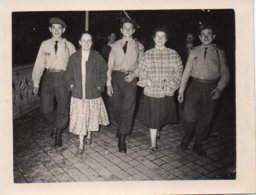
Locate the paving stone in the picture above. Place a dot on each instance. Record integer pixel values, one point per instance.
(36, 160)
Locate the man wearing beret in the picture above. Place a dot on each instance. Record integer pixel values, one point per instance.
(122, 62)
(206, 65)
(49, 69)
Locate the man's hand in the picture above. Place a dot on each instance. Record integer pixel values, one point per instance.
(181, 97)
(35, 90)
(215, 94)
(110, 90)
(129, 78)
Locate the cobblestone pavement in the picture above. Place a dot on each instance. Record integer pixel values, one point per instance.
(36, 160)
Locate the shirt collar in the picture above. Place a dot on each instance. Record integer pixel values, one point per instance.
(160, 48)
(209, 46)
(59, 40)
(130, 39)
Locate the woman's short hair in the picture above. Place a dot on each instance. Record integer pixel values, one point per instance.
(86, 32)
(161, 29)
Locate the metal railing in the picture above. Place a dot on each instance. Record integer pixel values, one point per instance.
(22, 96)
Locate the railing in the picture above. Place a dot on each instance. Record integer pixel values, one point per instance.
(22, 96)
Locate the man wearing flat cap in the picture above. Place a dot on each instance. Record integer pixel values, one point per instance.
(123, 61)
(207, 68)
(48, 73)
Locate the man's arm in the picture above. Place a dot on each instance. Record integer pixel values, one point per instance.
(38, 69)
(175, 80)
(111, 61)
(184, 79)
(224, 75)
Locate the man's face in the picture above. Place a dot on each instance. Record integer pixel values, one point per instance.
(86, 42)
(127, 30)
(160, 39)
(57, 30)
(206, 36)
(112, 37)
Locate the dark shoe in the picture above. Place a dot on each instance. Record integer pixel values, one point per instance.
(53, 132)
(117, 135)
(79, 152)
(185, 142)
(122, 148)
(184, 146)
(88, 141)
(152, 150)
(198, 149)
(121, 143)
(58, 138)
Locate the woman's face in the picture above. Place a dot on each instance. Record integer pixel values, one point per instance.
(160, 39)
(86, 42)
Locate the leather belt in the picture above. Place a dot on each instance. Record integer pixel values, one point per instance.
(204, 80)
(54, 70)
(124, 71)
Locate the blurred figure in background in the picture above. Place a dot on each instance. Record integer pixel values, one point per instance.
(106, 48)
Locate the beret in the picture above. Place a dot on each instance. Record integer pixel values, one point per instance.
(205, 26)
(56, 20)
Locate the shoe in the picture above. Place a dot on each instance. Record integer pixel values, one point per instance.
(185, 141)
(80, 151)
(184, 144)
(121, 143)
(117, 135)
(152, 150)
(53, 133)
(123, 148)
(198, 149)
(88, 141)
(58, 138)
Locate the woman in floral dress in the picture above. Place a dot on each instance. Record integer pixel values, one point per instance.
(86, 77)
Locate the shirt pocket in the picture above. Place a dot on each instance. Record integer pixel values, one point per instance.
(196, 64)
(214, 67)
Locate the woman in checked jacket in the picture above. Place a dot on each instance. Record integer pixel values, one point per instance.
(159, 74)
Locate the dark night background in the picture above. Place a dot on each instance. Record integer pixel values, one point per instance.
(31, 28)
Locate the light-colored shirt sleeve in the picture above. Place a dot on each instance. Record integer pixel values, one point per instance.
(111, 62)
(224, 71)
(174, 83)
(71, 48)
(186, 74)
(38, 67)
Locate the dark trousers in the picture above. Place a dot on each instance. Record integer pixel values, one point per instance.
(199, 109)
(124, 101)
(55, 88)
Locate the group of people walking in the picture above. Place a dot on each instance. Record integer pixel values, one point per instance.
(63, 72)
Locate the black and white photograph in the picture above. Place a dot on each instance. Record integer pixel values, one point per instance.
(130, 97)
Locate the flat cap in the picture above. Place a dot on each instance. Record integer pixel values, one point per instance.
(203, 26)
(56, 20)
(131, 21)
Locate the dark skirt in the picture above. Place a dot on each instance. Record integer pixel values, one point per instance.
(159, 111)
